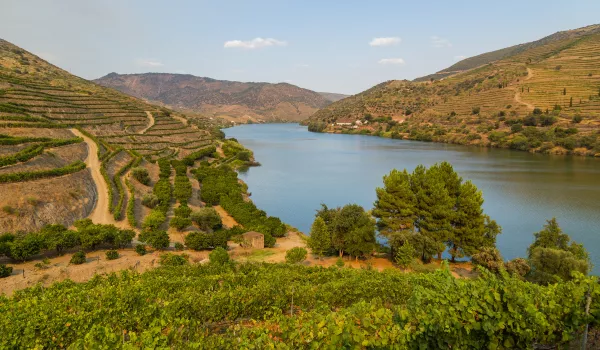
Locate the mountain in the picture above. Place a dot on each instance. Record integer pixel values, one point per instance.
(60, 135)
(235, 101)
(333, 97)
(488, 57)
(540, 97)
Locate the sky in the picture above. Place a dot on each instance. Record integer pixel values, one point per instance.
(328, 46)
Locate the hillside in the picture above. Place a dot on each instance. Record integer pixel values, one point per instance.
(234, 101)
(488, 57)
(333, 97)
(67, 144)
(545, 98)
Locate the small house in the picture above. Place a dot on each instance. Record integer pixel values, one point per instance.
(253, 239)
(344, 122)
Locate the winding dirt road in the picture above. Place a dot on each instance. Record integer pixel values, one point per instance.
(518, 93)
(143, 131)
(100, 213)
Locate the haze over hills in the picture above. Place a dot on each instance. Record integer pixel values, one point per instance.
(235, 101)
(541, 97)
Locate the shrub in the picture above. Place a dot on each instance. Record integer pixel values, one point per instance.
(78, 258)
(339, 262)
(475, 110)
(5, 271)
(577, 119)
(180, 223)
(157, 239)
(9, 210)
(518, 266)
(140, 249)
(153, 220)
(141, 174)
(516, 128)
(183, 211)
(179, 246)
(244, 155)
(150, 200)
(112, 254)
(295, 255)
(206, 219)
(537, 111)
(405, 255)
(219, 256)
(199, 240)
(529, 121)
(170, 259)
(489, 258)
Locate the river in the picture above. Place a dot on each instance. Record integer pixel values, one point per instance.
(301, 169)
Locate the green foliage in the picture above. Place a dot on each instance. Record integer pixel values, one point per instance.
(183, 211)
(112, 254)
(206, 219)
(150, 200)
(170, 259)
(141, 175)
(219, 256)
(153, 220)
(40, 174)
(489, 258)
(352, 229)
(203, 241)
(157, 239)
(131, 204)
(199, 154)
(78, 258)
(553, 256)
(179, 246)
(295, 255)
(393, 310)
(339, 262)
(140, 249)
(180, 223)
(320, 237)
(5, 271)
(405, 254)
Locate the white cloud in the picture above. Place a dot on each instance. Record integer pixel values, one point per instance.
(389, 41)
(399, 61)
(459, 57)
(255, 43)
(149, 63)
(436, 41)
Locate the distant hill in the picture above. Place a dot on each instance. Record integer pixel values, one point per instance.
(488, 57)
(541, 97)
(333, 97)
(233, 100)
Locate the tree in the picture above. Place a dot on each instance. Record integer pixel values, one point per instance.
(405, 255)
(180, 223)
(150, 200)
(141, 174)
(206, 219)
(170, 259)
(353, 231)
(27, 246)
(553, 256)
(517, 266)
(198, 240)
(490, 258)
(320, 237)
(5, 271)
(153, 220)
(396, 202)
(571, 102)
(112, 254)
(219, 256)
(78, 258)
(295, 255)
(58, 237)
(468, 222)
(157, 239)
(123, 238)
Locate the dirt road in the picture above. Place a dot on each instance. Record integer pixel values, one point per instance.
(143, 131)
(518, 93)
(100, 213)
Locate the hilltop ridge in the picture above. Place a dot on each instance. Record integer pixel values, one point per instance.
(235, 101)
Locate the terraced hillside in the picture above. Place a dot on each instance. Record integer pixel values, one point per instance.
(58, 131)
(235, 101)
(544, 99)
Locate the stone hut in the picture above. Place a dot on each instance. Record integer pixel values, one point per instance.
(253, 240)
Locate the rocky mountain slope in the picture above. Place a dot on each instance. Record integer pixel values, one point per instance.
(543, 97)
(233, 100)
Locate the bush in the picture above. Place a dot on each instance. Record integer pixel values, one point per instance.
(112, 254)
(150, 200)
(339, 262)
(199, 240)
(405, 255)
(153, 220)
(489, 258)
(206, 219)
(183, 211)
(219, 256)
(475, 110)
(295, 255)
(180, 223)
(170, 259)
(577, 119)
(179, 246)
(78, 258)
(140, 249)
(5, 271)
(157, 239)
(141, 174)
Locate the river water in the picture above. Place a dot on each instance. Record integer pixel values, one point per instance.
(301, 169)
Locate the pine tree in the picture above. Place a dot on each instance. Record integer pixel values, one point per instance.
(395, 206)
(571, 102)
(320, 237)
(468, 224)
(565, 91)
